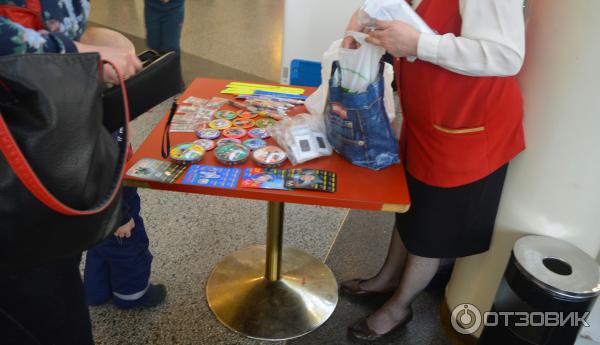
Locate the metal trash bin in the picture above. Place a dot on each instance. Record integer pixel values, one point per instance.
(547, 291)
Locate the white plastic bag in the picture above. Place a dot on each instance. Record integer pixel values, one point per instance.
(317, 102)
(392, 10)
(360, 67)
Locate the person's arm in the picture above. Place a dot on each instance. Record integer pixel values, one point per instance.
(492, 41)
(16, 39)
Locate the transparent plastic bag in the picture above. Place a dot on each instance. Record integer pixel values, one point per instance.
(302, 137)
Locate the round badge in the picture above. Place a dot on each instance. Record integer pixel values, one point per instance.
(260, 133)
(232, 154)
(270, 156)
(244, 123)
(255, 144)
(187, 153)
(220, 124)
(208, 133)
(226, 115)
(246, 114)
(234, 132)
(207, 144)
(228, 141)
(264, 123)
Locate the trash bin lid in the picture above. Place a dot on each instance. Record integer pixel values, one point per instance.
(558, 266)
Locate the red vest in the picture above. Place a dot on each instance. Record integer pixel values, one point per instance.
(457, 129)
(29, 16)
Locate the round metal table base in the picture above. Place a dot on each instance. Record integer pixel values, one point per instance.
(246, 302)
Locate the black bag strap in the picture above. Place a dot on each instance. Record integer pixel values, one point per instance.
(166, 142)
(17, 161)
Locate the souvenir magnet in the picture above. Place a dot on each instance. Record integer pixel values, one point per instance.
(264, 123)
(226, 114)
(207, 144)
(208, 133)
(232, 154)
(244, 123)
(234, 132)
(246, 114)
(228, 141)
(220, 124)
(269, 157)
(255, 143)
(260, 133)
(187, 153)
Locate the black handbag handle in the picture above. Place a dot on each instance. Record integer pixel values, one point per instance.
(166, 142)
(17, 161)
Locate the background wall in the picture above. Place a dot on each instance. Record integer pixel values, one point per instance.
(553, 188)
(310, 26)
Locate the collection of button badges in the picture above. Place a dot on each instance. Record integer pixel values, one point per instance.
(235, 136)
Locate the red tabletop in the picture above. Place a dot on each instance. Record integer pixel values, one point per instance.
(358, 188)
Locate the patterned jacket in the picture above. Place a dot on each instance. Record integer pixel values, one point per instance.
(65, 21)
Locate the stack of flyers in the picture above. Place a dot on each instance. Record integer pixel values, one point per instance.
(155, 170)
(321, 180)
(210, 176)
(264, 178)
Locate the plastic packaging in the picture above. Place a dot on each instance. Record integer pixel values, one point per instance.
(374, 10)
(302, 137)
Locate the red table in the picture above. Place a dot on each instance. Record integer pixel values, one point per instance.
(269, 296)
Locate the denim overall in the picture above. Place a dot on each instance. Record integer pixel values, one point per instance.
(358, 127)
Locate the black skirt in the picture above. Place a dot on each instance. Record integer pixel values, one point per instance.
(451, 222)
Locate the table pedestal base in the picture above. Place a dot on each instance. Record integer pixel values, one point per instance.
(244, 300)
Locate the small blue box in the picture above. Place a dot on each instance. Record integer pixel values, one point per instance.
(305, 73)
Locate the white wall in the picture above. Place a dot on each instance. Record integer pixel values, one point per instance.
(553, 188)
(310, 26)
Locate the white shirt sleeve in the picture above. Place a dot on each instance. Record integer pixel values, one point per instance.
(492, 40)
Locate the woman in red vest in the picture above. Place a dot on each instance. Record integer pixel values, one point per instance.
(462, 124)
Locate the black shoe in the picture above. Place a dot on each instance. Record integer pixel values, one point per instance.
(362, 331)
(352, 288)
(154, 296)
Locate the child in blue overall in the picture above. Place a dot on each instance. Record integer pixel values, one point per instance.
(119, 268)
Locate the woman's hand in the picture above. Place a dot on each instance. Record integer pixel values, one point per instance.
(398, 38)
(125, 60)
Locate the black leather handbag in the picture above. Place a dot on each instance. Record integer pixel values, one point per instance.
(60, 170)
(159, 80)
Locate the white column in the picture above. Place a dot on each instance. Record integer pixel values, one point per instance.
(553, 188)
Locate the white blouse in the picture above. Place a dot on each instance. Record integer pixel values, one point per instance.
(492, 40)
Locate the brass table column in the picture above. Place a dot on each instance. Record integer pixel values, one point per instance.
(278, 296)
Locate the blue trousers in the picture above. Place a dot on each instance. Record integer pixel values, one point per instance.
(164, 22)
(120, 268)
